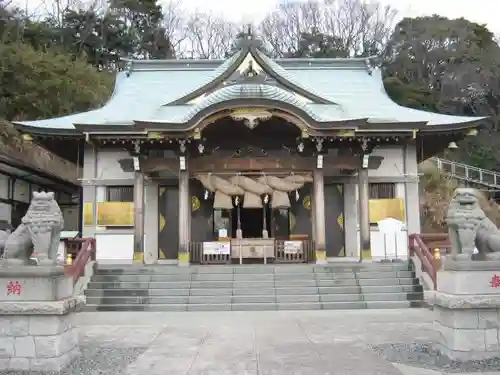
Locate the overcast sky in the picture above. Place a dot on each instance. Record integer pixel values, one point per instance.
(480, 11)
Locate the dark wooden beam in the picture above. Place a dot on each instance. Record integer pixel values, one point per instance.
(216, 163)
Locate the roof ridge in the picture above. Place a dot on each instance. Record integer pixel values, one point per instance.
(139, 64)
(329, 59)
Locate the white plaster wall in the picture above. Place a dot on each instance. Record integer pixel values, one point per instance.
(108, 166)
(400, 191)
(100, 194)
(392, 165)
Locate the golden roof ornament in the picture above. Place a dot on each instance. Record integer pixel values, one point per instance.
(250, 116)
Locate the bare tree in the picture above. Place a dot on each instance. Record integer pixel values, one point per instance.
(361, 28)
(174, 17)
(282, 29)
(208, 36)
(55, 9)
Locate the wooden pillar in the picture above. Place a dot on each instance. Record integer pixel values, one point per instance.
(319, 215)
(139, 216)
(184, 218)
(364, 212)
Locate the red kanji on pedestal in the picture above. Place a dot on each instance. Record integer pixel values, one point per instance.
(14, 288)
(495, 281)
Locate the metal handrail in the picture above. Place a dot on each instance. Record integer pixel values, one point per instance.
(421, 245)
(468, 173)
(86, 251)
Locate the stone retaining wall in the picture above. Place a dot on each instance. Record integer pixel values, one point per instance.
(37, 343)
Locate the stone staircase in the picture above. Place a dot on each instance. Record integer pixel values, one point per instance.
(253, 287)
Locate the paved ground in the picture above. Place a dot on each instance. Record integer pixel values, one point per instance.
(256, 343)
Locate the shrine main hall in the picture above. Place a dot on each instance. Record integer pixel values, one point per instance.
(249, 160)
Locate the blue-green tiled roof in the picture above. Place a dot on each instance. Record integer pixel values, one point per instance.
(363, 96)
(183, 113)
(144, 93)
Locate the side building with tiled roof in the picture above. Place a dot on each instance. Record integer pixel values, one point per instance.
(250, 159)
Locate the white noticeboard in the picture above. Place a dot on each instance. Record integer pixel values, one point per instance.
(293, 247)
(114, 248)
(216, 248)
(390, 228)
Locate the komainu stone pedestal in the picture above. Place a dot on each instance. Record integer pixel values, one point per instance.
(467, 309)
(37, 329)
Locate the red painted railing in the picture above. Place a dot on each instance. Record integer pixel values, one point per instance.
(422, 246)
(83, 250)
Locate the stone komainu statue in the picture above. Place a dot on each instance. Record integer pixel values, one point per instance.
(469, 228)
(38, 233)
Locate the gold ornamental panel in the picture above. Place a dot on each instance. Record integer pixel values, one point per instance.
(381, 209)
(306, 202)
(195, 203)
(118, 214)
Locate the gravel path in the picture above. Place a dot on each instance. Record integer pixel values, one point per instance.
(95, 361)
(423, 355)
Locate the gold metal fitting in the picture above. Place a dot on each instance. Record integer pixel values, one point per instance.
(437, 254)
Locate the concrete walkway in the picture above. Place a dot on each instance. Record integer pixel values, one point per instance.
(256, 343)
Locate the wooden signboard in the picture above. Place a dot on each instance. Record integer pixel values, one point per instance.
(117, 214)
(381, 209)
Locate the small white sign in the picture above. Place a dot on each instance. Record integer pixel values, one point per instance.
(216, 248)
(222, 233)
(293, 247)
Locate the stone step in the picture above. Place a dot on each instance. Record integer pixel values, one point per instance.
(252, 291)
(247, 269)
(370, 289)
(250, 284)
(251, 277)
(230, 299)
(257, 306)
(253, 287)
